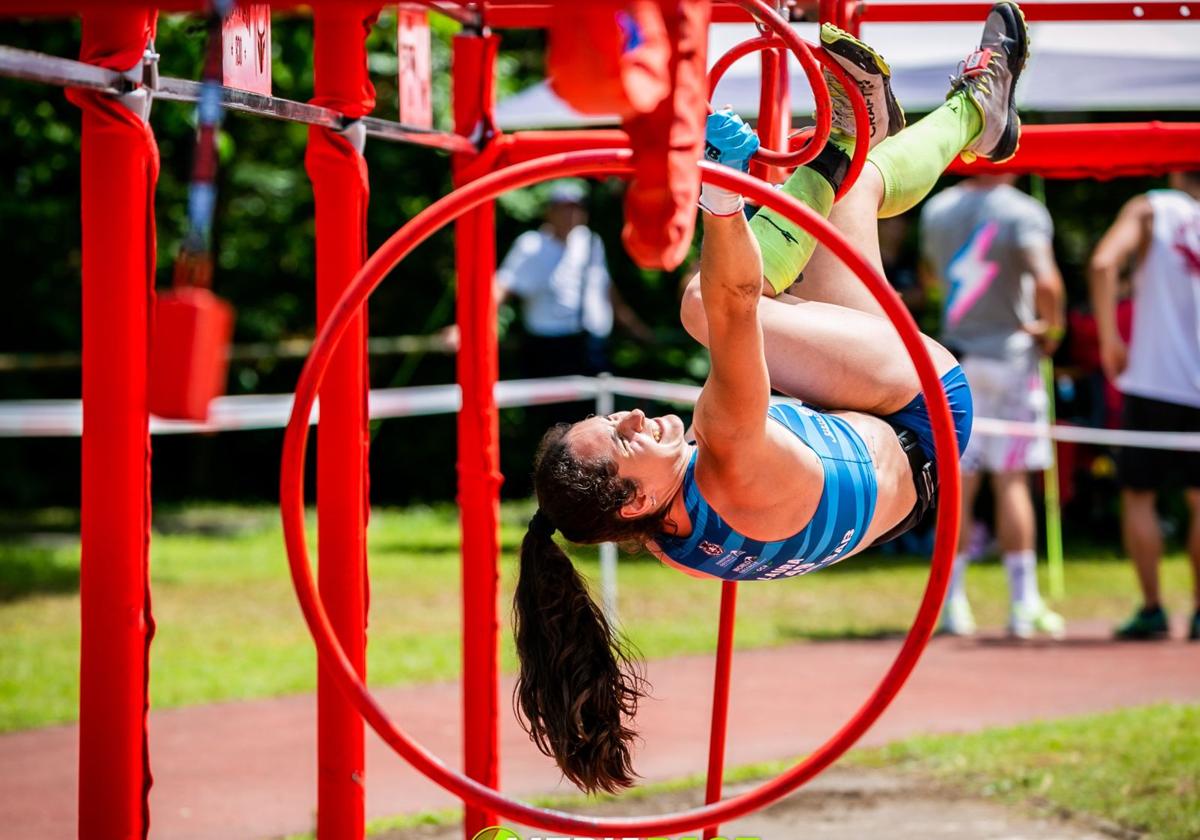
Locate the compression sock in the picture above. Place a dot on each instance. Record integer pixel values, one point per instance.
(958, 577)
(912, 160)
(786, 247)
(1021, 568)
(909, 162)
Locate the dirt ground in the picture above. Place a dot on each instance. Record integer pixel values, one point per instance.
(853, 804)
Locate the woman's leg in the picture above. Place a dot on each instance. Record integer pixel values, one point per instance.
(979, 118)
(901, 171)
(832, 356)
(831, 345)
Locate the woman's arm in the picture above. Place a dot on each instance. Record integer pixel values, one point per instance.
(1126, 238)
(731, 411)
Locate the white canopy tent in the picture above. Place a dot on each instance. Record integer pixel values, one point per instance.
(1147, 67)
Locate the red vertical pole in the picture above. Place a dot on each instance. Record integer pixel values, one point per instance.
(774, 114)
(119, 169)
(720, 708)
(478, 432)
(852, 12)
(340, 191)
(782, 122)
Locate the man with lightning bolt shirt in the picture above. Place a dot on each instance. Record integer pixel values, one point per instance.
(989, 245)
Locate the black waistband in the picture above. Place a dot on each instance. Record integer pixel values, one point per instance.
(924, 481)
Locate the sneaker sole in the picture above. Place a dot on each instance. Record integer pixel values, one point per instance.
(1157, 635)
(866, 59)
(1010, 138)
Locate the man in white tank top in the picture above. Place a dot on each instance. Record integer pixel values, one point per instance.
(1158, 372)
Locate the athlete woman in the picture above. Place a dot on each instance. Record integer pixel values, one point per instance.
(766, 491)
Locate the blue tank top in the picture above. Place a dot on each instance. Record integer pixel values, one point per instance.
(841, 520)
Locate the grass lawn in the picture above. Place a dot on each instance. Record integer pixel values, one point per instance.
(1139, 768)
(229, 627)
(1136, 768)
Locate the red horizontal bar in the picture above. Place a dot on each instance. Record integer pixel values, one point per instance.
(1099, 150)
(906, 12)
(516, 14)
(526, 145)
(1070, 150)
(531, 14)
(69, 8)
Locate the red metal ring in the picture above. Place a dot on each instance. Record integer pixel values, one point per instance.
(291, 490)
(770, 18)
(862, 123)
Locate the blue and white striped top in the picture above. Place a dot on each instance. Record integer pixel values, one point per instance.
(841, 520)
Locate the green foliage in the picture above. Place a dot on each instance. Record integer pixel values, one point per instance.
(263, 239)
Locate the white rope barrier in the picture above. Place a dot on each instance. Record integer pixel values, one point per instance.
(63, 418)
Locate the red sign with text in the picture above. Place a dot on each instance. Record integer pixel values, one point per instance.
(412, 41)
(246, 46)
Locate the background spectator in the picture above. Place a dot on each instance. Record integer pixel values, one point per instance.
(1158, 372)
(989, 245)
(567, 300)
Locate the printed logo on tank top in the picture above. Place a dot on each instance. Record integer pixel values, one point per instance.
(730, 558)
(1187, 245)
(970, 272)
(791, 568)
(823, 425)
(711, 548)
(745, 565)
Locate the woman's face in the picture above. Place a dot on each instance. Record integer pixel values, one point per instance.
(650, 451)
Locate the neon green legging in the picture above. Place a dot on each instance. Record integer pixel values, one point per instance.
(909, 162)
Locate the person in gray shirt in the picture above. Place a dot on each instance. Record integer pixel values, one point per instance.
(988, 245)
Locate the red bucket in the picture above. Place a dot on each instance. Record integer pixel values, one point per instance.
(189, 352)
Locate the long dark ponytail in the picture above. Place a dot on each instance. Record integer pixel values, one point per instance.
(580, 683)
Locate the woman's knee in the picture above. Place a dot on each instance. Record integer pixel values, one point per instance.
(943, 360)
(691, 312)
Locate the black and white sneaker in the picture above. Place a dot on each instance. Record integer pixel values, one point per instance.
(874, 79)
(989, 78)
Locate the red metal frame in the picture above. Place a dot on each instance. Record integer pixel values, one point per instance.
(718, 727)
(519, 14)
(114, 758)
(1035, 12)
(340, 193)
(118, 169)
(479, 475)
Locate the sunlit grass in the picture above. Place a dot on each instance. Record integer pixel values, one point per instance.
(229, 626)
(1139, 768)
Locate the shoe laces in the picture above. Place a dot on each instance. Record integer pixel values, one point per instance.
(839, 100)
(843, 105)
(976, 70)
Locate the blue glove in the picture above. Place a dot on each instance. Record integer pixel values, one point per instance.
(729, 141)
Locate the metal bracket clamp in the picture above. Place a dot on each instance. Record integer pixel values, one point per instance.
(143, 77)
(356, 132)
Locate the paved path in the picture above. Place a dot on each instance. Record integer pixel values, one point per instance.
(247, 770)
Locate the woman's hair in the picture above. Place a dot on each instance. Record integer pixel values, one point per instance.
(579, 681)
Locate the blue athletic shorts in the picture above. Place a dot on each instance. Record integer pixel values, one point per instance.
(912, 422)
(915, 415)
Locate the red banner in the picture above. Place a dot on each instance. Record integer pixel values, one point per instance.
(412, 44)
(246, 48)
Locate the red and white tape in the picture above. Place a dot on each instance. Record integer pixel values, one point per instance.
(63, 418)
